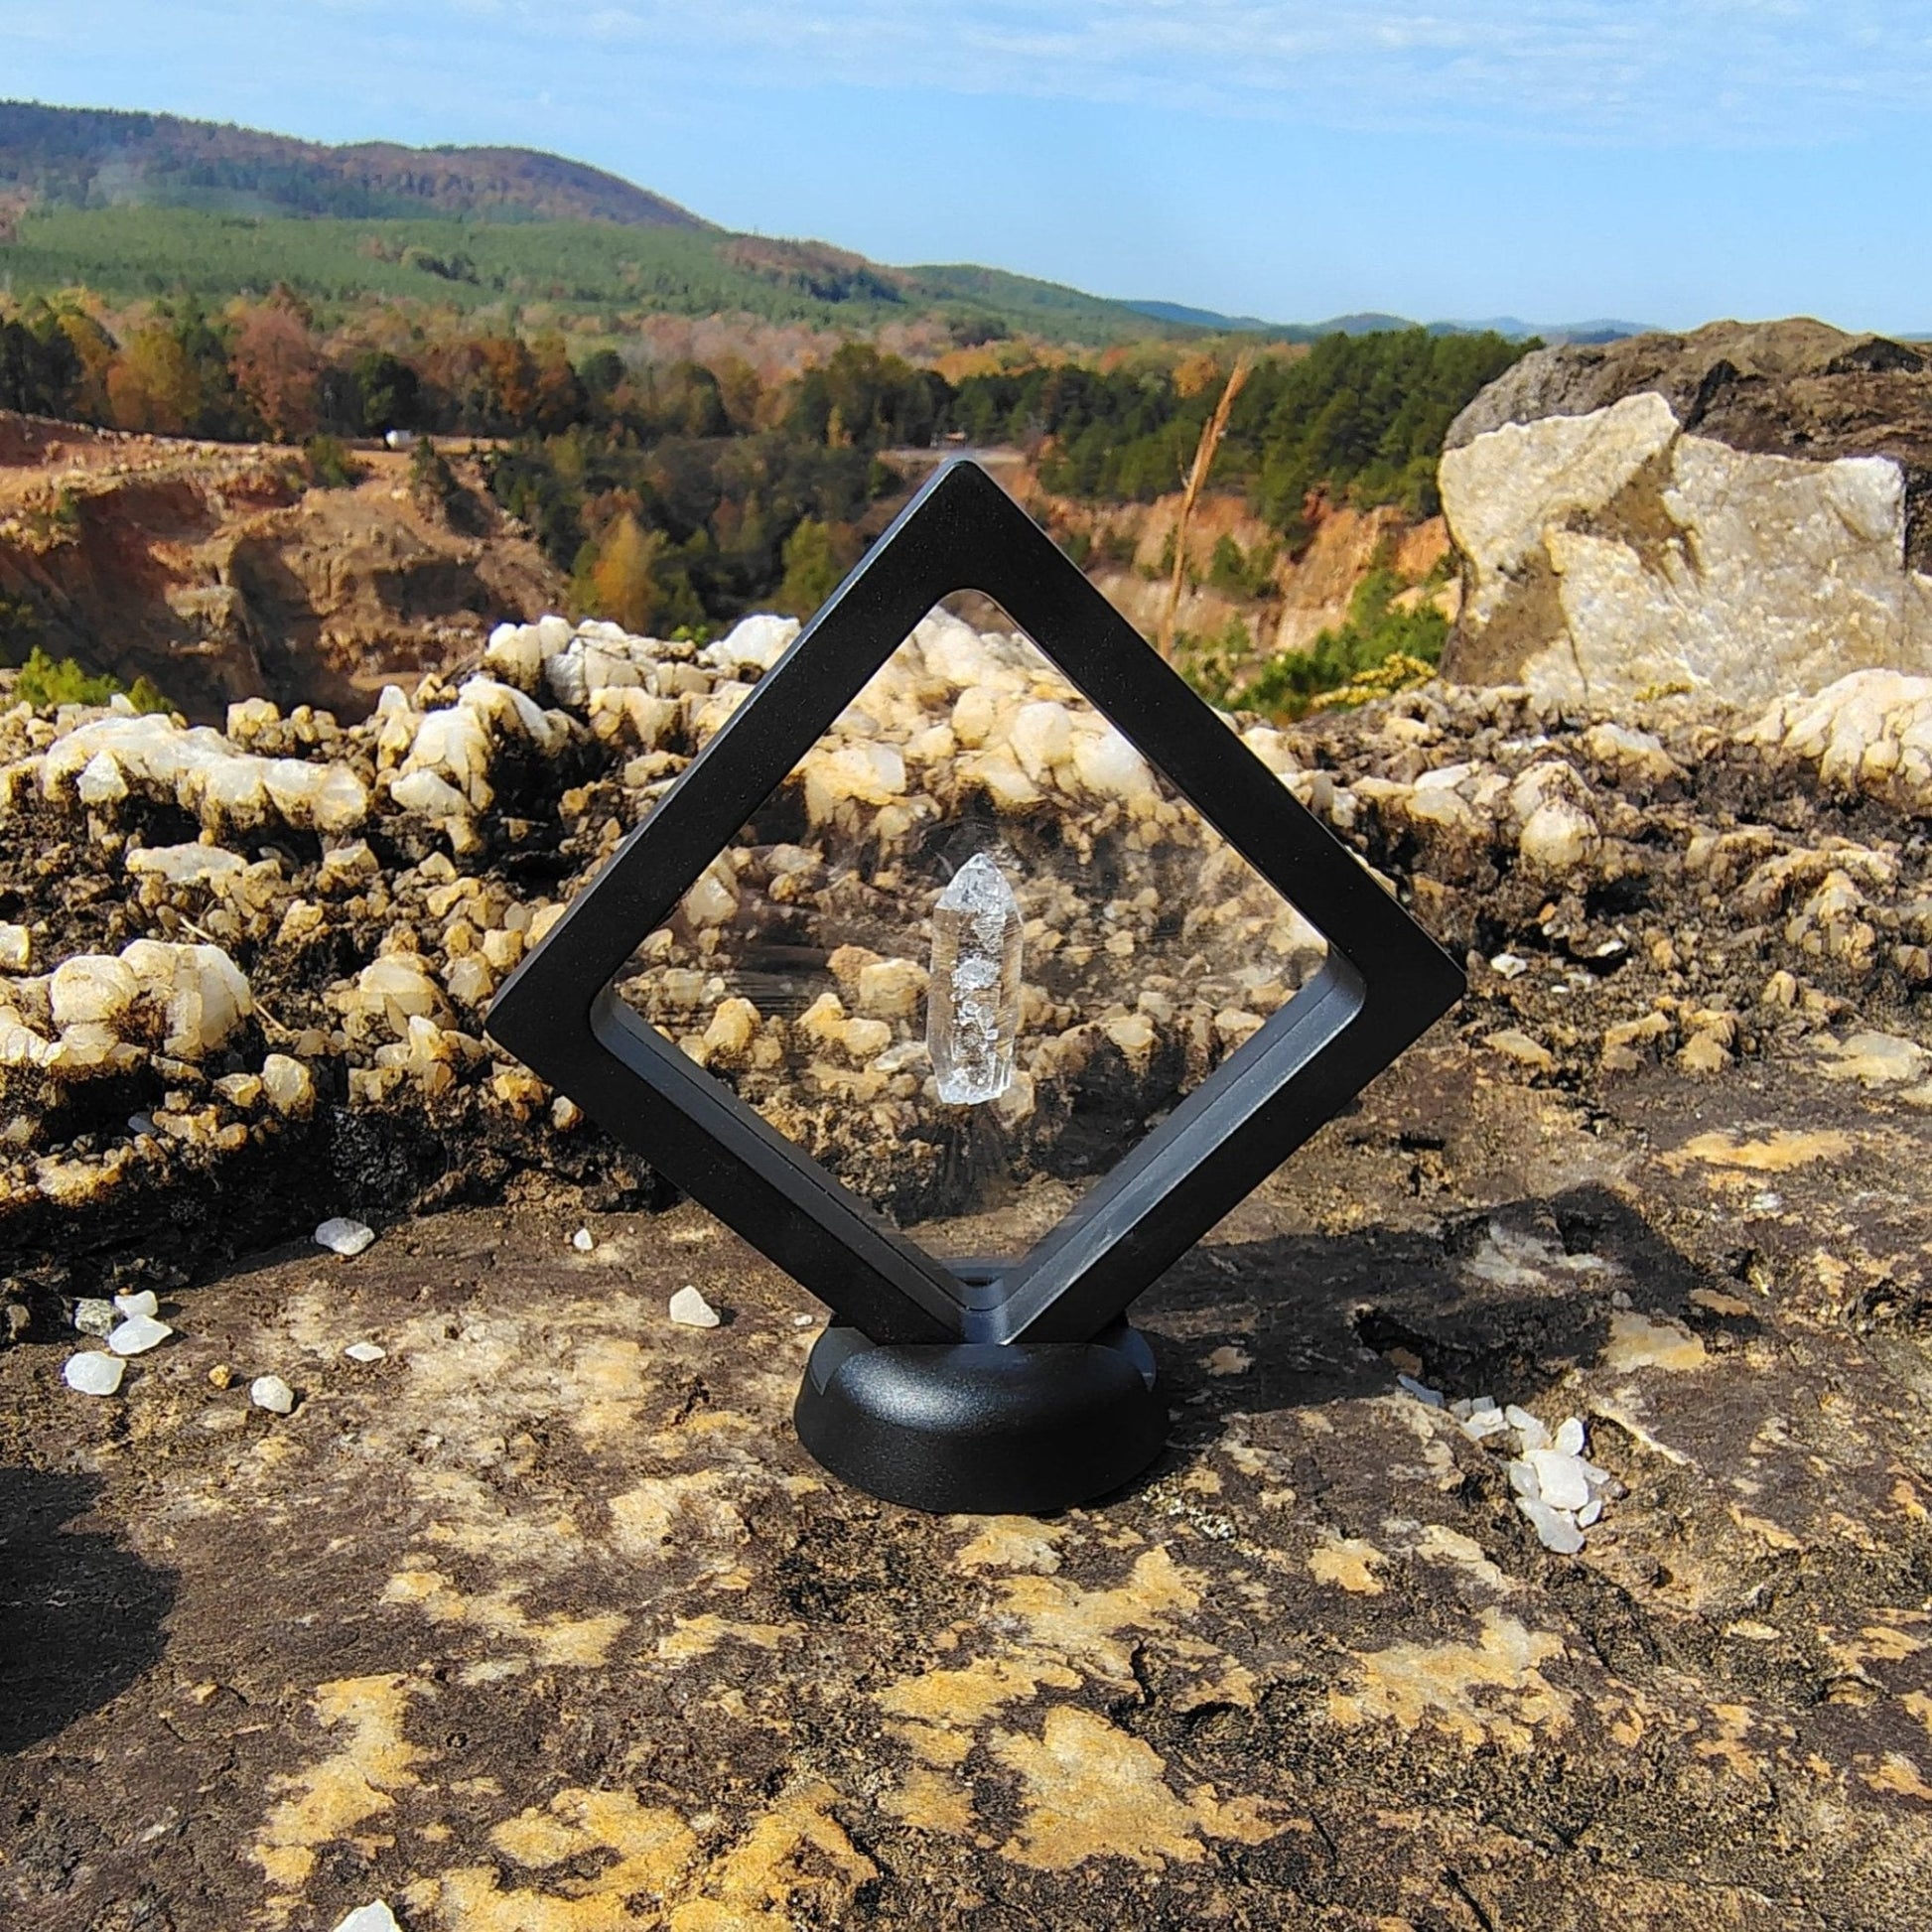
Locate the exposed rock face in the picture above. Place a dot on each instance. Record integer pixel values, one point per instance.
(213, 570)
(1743, 510)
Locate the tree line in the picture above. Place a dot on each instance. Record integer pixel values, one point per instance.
(1357, 417)
(685, 492)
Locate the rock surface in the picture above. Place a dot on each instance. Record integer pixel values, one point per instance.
(540, 1620)
(1745, 510)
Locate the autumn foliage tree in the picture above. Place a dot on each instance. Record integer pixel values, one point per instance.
(278, 370)
(172, 378)
(154, 385)
(627, 576)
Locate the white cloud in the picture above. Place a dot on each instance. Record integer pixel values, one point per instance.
(1690, 71)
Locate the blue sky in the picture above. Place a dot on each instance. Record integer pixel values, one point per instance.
(1663, 160)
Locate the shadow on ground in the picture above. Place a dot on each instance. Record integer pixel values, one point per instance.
(1502, 1302)
(81, 1617)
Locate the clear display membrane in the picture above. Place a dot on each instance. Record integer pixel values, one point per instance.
(974, 948)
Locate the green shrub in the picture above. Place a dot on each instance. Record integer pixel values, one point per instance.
(1235, 572)
(329, 465)
(1377, 633)
(48, 682)
(1213, 665)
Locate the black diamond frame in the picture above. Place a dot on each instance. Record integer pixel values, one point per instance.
(1383, 984)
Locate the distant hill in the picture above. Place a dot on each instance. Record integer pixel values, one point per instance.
(1515, 329)
(1373, 322)
(134, 205)
(89, 157)
(1212, 319)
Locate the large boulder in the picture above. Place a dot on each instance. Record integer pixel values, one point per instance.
(1745, 510)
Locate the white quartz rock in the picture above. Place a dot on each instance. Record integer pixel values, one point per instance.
(101, 781)
(270, 1392)
(289, 1085)
(1554, 1528)
(753, 643)
(93, 1372)
(137, 1335)
(690, 1310)
(370, 1918)
(344, 1236)
(365, 1351)
(193, 864)
(145, 1303)
(1559, 1478)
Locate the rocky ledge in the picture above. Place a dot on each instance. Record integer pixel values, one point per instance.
(1742, 511)
(539, 1618)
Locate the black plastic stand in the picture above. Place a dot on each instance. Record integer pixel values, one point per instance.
(1020, 1427)
(1016, 1386)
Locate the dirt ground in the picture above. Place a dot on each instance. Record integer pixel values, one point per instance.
(546, 1623)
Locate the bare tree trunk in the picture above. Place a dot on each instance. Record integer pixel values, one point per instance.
(1210, 441)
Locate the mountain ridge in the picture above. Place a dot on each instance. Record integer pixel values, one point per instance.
(94, 157)
(89, 162)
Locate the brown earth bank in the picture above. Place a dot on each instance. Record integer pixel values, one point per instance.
(544, 1622)
(214, 570)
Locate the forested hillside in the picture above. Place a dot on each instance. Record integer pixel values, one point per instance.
(84, 157)
(1361, 415)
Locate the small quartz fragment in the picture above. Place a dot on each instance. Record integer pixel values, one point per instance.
(270, 1392)
(1481, 1424)
(1570, 1437)
(145, 1303)
(1429, 1398)
(365, 1351)
(344, 1236)
(691, 1309)
(1554, 1528)
(583, 1241)
(973, 988)
(370, 1918)
(137, 1335)
(1559, 1478)
(93, 1372)
(1534, 1434)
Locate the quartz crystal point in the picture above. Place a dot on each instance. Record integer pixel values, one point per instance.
(973, 999)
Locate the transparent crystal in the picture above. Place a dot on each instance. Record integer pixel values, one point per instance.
(972, 1014)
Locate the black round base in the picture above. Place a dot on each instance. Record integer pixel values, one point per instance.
(983, 1427)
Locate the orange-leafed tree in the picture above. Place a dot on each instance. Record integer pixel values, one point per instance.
(627, 576)
(278, 368)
